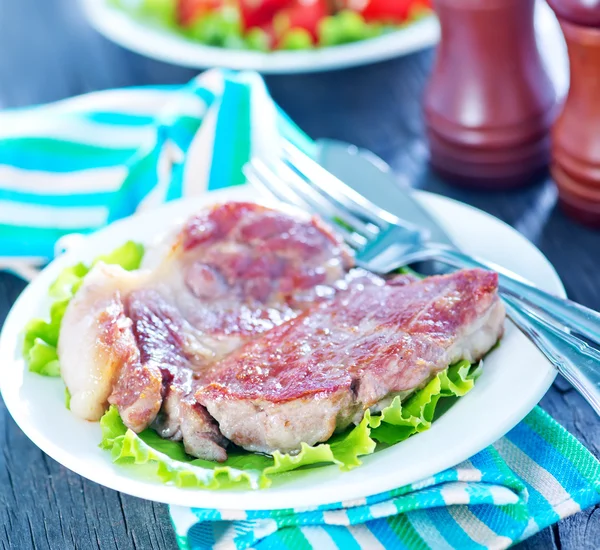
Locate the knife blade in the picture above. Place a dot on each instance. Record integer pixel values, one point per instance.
(370, 176)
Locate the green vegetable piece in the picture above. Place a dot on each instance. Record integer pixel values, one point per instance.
(129, 256)
(38, 329)
(67, 280)
(170, 462)
(459, 379)
(57, 312)
(160, 11)
(352, 26)
(241, 460)
(67, 399)
(241, 469)
(328, 32)
(398, 422)
(42, 359)
(170, 448)
(112, 427)
(345, 26)
(358, 442)
(296, 39)
(217, 28)
(257, 39)
(234, 42)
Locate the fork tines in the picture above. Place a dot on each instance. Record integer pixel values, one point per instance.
(298, 180)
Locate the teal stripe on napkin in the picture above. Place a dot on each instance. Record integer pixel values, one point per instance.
(121, 119)
(78, 164)
(53, 155)
(232, 137)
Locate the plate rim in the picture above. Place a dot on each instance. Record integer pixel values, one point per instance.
(226, 499)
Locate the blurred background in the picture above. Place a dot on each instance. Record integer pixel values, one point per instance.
(50, 52)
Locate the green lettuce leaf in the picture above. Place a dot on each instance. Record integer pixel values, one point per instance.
(169, 461)
(399, 421)
(67, 282)
(40, 337)
(129, 256)
(42, 358)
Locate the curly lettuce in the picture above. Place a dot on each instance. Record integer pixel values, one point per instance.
(40, 337)
(242, 469)
(169, 462)
(399, 421)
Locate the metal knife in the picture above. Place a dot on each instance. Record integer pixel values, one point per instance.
(373, 179)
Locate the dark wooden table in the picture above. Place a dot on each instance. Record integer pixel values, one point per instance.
(49, 52)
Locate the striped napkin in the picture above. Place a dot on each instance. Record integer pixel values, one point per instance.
(74, 166)
(531, 478)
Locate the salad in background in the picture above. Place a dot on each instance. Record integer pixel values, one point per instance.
(266, 25)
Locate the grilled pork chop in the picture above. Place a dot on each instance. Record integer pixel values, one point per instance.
(319, 372)
(141, 340)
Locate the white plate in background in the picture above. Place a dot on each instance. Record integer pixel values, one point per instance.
(164, 45)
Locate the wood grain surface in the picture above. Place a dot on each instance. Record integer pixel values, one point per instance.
(49, 52)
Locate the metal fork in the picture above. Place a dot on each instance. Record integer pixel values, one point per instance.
(383, 243)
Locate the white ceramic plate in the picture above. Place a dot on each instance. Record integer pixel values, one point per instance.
(514, 379)
(171, 47)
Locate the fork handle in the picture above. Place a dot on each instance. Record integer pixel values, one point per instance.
(578, 318)
(572, 357)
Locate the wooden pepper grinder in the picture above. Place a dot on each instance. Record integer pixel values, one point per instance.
(489, 104)
(576, 134)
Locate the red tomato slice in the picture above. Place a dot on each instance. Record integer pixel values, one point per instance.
(303, 14)
(189, 10)
(387, 11)
(260, 13)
